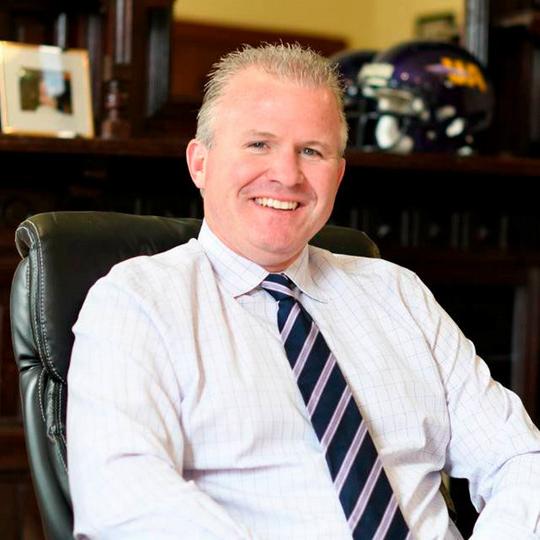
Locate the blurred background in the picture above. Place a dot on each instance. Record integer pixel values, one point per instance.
(444, 152)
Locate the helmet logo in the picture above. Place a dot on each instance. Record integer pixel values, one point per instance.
(461, 73)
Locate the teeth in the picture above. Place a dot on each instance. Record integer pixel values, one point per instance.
(273, 203)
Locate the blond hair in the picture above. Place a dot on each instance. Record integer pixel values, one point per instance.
(285, 61)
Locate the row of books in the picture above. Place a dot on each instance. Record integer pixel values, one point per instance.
(461, 230)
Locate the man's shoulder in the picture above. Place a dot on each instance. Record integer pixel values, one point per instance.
(138, 272)
(373, 280)
(357, 266)
(160, 285)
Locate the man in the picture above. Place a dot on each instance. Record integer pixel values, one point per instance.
(185, 419)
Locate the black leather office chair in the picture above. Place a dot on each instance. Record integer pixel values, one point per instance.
(64, 253)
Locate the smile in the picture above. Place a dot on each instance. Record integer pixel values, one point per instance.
(274, 203)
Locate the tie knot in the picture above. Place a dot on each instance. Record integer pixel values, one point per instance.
(279, 286)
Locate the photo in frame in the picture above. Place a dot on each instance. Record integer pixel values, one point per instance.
(437, 27)
(45, 91)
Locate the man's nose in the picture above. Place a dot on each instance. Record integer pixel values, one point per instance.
(287, 167)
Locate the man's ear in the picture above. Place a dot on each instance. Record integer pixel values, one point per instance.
(341, 170)
(196, 153)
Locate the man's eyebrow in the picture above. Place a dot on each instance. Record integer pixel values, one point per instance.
(262, 134)
(315, 142)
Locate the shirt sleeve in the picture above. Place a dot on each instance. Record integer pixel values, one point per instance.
(125, 439)
(493, 442)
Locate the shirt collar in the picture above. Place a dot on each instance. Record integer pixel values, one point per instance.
(239, 275)
(301, 273)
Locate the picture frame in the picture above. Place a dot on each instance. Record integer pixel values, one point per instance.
(45, 91)
(437, 27)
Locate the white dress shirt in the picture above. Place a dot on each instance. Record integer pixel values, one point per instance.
(185, 420)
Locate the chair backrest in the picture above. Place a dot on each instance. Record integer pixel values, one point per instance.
(64, 254)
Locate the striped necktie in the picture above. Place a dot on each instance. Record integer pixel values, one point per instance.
(366, 496)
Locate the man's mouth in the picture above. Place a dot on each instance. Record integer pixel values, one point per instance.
(274, 203)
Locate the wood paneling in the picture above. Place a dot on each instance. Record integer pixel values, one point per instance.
(197, 46)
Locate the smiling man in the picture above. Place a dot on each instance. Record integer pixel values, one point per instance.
(271, 170)
(246, 385)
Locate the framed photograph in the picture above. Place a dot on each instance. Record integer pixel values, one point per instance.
(437, 27)
(45, 91)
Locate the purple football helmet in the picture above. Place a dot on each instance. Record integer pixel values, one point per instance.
(424, 96)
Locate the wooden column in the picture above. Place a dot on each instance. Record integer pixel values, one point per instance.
(477, 28)
(137, 66)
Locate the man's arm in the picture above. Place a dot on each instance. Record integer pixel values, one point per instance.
(124, 429)
(493, 441)
(495, 445)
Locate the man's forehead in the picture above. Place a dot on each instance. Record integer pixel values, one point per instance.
(255, 75)
(253, 92)
(259, 87)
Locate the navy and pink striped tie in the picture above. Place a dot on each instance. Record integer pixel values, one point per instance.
(366, 496)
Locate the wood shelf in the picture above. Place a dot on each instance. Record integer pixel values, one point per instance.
(174, 148)
(497, 165)
(133, 147)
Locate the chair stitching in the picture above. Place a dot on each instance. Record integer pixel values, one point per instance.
(41, 303)
(36, 323)
(59, 414)
(27, 277)
(41, 391)
(61, 456)
(42, 372)
(60, 431)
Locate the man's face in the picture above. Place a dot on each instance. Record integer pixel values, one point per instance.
(271, 176)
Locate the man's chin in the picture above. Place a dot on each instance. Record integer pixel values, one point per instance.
(276, 256)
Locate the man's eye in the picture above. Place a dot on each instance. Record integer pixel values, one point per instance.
(258, 145)
(311, 152)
